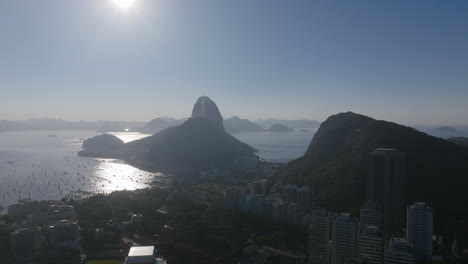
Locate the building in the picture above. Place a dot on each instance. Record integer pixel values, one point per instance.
(370, 214)
(319, 237)
(385, 186)
(419, 231)
(52, 213)
(397, 251)
(344, 238)
(254, 204)
(141, 255)
(284, 212)
(455, 249)
(371, 244)
(231, 198)
(305, 198)
(259, 187)
(290, 193)
(267, 208)
(26, 240)
(41, 212)
(63, 234)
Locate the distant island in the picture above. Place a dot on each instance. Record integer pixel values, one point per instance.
(236, 124)
(280, 128)
(294, 123)
(445, 129)
(199, 142)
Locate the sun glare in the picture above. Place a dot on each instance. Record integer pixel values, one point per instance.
(124, 4)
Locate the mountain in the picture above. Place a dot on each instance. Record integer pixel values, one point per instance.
(205, 108)
(445, 129)
(198, 142)
(158, 124)
(462, 141)
(102, 144)
(279, 128)
(294, 124)
(238, 125)
(336, 164)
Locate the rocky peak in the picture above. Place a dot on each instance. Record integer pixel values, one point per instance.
(205, 108)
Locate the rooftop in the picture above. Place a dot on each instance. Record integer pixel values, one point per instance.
(141, 251)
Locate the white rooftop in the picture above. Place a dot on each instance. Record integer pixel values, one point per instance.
(141, 255)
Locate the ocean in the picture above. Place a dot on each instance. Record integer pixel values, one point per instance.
(43, 165)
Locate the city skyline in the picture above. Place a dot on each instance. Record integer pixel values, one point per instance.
(88, 60)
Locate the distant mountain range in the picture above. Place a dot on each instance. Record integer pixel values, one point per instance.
(279, 128)
(294, 124)
(336, 163)
(445, 129)
(237, 125)
(198, 142)
(232, 125)
(158, 124)
(59, 124)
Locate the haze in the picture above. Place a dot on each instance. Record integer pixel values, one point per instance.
(88, 60)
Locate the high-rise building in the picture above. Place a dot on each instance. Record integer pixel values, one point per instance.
(231, 198)
(344, 238)
(284, 212)
(455, 250)
(370, 214)
(385, 186)
(319, 237)
(419, 231)
(397, 251)
(254, 204)
(290, 193)
(26, 240)
(259, 187)
(371, 244)
(305, 198)
(63, 234)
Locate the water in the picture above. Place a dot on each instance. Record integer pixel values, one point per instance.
(37, 165)
(278, 147)
(43, 165)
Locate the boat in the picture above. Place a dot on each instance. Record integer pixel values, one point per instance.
(52, 135)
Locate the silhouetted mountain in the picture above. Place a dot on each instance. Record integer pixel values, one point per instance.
(336, 163)
(294, 124)
(198, 142)
(102, 144)
(238, 125)
(205, 108)
(462, 141)
(445, 129)
(279, 128)
(158, 124)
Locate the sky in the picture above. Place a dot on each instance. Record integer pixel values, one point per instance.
(403, 61)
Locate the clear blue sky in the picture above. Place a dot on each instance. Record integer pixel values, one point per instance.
(404, 61)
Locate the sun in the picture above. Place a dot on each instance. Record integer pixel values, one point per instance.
(124, 4)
